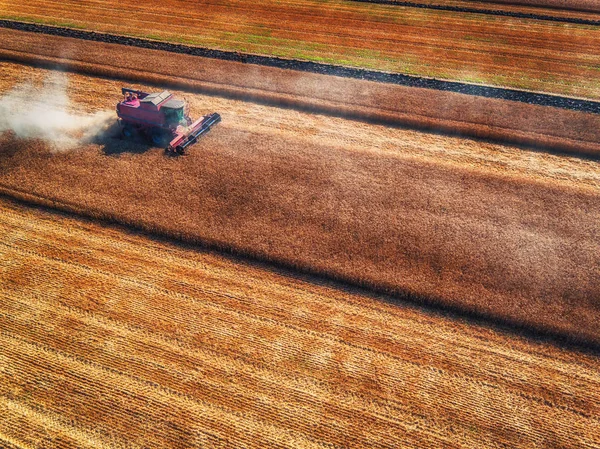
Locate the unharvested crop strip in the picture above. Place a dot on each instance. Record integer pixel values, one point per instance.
(315, 67)
(490, 12)
(141, 394)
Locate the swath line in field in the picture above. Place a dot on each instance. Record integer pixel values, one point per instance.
(491, 12)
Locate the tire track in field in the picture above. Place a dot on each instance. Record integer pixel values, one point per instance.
(489, 12)
(144, 394)
(43, 425)
(145, 342)
(279, 403)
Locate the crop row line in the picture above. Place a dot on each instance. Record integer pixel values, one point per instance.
(492, 12)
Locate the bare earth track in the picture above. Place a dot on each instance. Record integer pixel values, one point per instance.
(575, 5)
(491, 12)
(110, 339)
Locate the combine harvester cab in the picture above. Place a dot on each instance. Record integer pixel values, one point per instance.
(162, 118)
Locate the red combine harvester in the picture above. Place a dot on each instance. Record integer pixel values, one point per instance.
(162, 119)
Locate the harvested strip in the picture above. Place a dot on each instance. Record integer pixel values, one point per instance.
(94, 356)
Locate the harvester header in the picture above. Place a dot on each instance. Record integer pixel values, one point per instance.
(162, 118)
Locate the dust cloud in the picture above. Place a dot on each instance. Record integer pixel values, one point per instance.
(46, 113)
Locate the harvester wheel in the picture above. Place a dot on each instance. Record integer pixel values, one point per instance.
(158, 137)
(128, 131)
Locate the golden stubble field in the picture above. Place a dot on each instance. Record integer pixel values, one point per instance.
(111, 339)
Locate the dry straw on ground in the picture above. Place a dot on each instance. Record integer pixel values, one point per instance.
(109, 339)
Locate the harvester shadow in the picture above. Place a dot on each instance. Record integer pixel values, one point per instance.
(112, 143)
(117, 145)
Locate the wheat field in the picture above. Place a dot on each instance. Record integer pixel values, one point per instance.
(494, 230)
(339, 264)
(111, 339)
